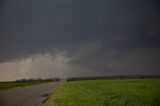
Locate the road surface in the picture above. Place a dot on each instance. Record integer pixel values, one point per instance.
(28, 96)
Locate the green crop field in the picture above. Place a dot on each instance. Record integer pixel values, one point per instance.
(138, 92)
(11, 85)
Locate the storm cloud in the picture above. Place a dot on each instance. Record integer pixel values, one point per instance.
(82, 38)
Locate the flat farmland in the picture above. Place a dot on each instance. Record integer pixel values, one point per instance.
(11, 85)
(131, 92)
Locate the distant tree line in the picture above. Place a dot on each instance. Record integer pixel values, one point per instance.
(114, 77)
(37, 80)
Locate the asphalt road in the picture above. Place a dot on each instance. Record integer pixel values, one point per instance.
(28, 96)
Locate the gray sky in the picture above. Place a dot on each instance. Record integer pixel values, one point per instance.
(59, 38)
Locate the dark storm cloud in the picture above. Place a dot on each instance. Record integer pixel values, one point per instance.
(107, 36)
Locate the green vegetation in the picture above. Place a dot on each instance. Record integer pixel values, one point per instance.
(140, 92)
(25, 82)
(10, 85)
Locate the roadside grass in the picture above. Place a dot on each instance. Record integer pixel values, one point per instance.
(12, 85)
(137, 92)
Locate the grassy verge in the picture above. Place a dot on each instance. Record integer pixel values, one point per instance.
(11, 85)
(144, 92)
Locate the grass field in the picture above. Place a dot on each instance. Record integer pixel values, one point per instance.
(11, 85)
(142, 92)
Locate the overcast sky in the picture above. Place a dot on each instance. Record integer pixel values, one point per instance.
(65, 38)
